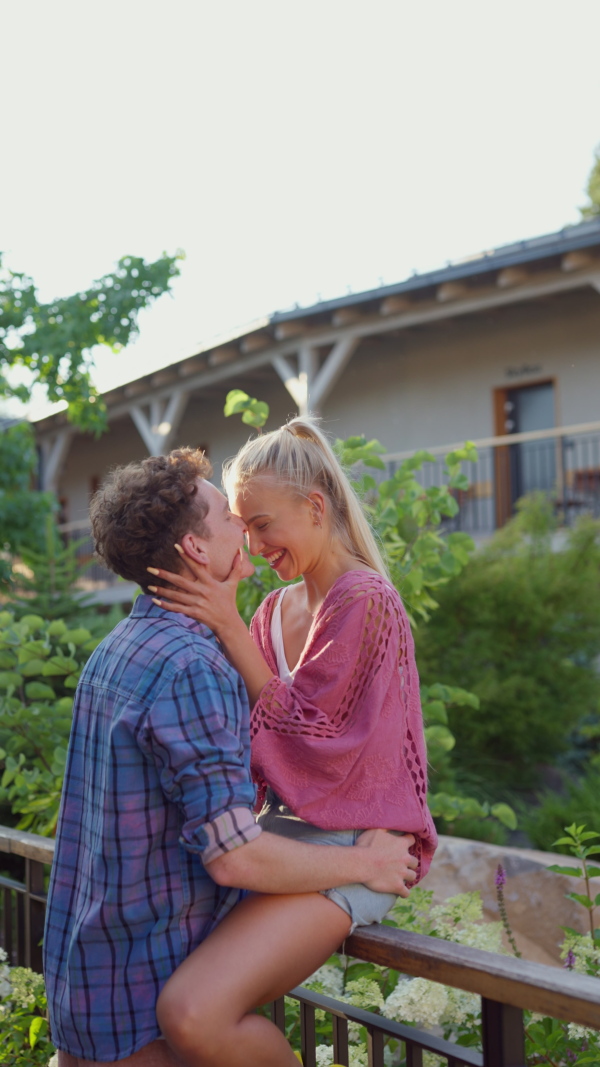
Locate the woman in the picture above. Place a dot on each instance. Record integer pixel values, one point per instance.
(337, 739)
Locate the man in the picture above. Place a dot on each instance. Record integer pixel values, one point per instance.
(156, 820)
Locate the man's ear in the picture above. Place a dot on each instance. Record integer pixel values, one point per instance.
(195, 547)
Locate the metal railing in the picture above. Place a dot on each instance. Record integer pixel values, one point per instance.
(506, 985)
(23, 900)
(563, 462)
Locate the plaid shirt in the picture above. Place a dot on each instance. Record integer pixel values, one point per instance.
(157, 781)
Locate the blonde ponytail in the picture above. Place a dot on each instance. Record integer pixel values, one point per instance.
(299, 456)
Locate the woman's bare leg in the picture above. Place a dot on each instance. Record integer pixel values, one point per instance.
(265, 946)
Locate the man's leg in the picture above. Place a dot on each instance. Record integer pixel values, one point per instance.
(265, 946)
(156, 1054)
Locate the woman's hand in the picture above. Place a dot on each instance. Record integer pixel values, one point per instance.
(201, 596)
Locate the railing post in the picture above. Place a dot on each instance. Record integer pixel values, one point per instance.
(340, 1041)
(414, 1055)
(503, 1035)
(375, 1042)
(34, 914)
(278, 1013)
(308, 1035)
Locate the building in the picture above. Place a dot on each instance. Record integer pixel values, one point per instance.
(502, 344)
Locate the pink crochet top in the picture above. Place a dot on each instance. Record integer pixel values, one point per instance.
(343, 744)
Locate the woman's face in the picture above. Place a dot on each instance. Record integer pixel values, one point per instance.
(283, 527)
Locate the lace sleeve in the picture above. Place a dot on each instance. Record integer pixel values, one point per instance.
(360, 634)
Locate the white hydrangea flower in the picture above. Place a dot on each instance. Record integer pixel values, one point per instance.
(430, 1059)
(324, 1055)
(328, 980)
(359, 1056)
(364, 993)
(487, 936)
(464, 907)
(580, 1033)
(25, 986)
(417, 1001)
(587, 955)
(460, 1005)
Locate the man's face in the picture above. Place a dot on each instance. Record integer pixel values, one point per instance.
(226, 533)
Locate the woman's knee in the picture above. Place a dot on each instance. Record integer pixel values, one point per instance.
(189, 1023)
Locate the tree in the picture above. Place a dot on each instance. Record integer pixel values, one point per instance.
(592, 210)
(55, 341)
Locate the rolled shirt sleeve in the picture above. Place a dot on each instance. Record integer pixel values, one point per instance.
(197, 731)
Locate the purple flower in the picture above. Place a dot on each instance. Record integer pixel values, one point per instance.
(500, 879)
(572, 1056)
(569, 960)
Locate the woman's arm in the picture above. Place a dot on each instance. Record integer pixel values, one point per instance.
(204, 598)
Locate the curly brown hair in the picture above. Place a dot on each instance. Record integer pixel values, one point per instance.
(142, 509)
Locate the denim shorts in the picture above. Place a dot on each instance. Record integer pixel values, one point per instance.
(363, 905)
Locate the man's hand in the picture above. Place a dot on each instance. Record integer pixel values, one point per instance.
(393, 865)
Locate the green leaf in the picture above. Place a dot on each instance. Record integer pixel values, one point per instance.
(505, 814)
(10, 678)
(440, 736)
(39, 691)
(435, 711)
(235, 402)
(37, 1028)
(580, 898)
(573, 872)
(32, 667)
(58, 665)
(75, 637)
(593, 872)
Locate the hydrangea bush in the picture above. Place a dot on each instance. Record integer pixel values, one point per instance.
(448, 1012)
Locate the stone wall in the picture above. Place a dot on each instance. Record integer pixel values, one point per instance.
(535, 897)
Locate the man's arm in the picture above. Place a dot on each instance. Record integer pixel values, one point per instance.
(273, 864)
(193, 736)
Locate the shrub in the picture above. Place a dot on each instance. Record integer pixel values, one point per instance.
(579, 803)
(520, 628)
(40, 664)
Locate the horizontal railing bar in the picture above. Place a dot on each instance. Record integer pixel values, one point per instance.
(10, 883)
(21, 843)
(535, 986)
(499, 442)
(387, 1026)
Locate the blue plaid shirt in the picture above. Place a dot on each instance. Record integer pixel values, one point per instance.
(157, 783)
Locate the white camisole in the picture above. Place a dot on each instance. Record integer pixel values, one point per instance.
(283, 670)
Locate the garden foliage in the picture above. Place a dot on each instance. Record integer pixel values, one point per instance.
(40, 664)
(520, 628)
(54, 341)
(450, 1012)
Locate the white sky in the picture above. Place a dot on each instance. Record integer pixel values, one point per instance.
(290, 148)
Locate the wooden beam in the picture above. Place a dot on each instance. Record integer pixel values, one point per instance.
(54, 452)
(392, 305)
(332, 368)
(576, 261)
(451, 291)
(285, 330)
(511, 276)
(292, 381)
(158, 427)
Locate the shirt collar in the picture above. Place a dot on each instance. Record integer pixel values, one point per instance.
(144, 607)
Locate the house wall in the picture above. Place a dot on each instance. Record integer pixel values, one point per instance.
(420, 388)
(434, 386)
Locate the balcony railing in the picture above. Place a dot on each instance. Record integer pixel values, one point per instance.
(563, 462)
(507, 986)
